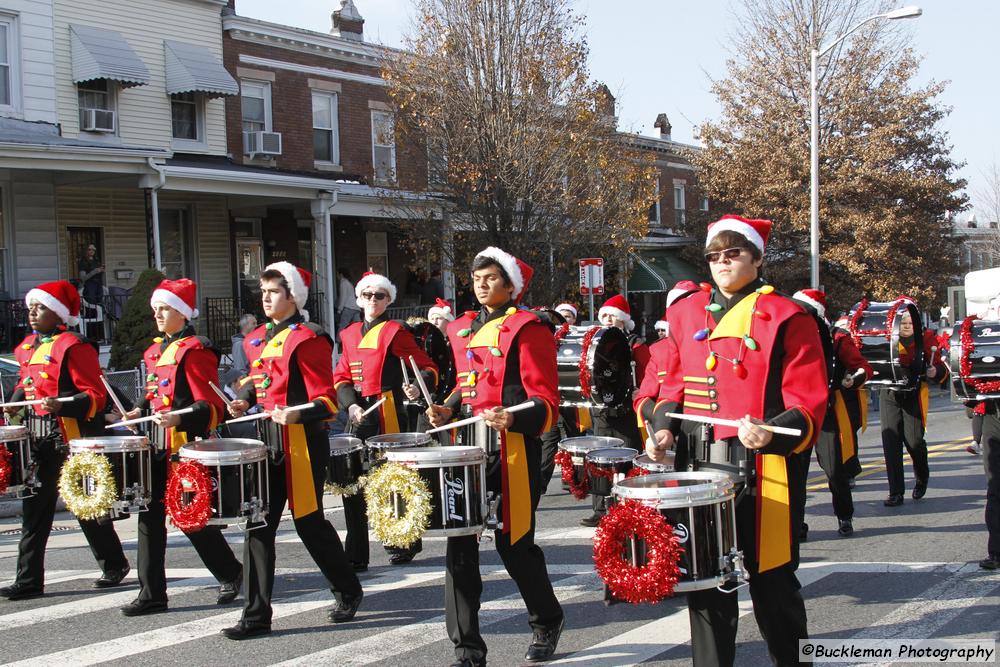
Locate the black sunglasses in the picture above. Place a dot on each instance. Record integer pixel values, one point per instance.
(378, 296)
(728, 253)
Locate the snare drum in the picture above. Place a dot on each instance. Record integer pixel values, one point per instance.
(347, 460)
(606, 467)
(879, 345)
(130, 459)
(22, 482)
(975, 365)
(379, 445)
(654, 467)
(608, 360)
(456, 477)
(577, 449)
(701, 508)
(239, 474)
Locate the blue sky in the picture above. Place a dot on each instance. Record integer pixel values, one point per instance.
(659, 56)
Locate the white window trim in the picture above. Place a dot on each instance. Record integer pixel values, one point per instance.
(113, 90)
(333, 99)
(14, 63)
(266, 85)
(680, 211)
(658, 220)
(188, 145)
(395, 174)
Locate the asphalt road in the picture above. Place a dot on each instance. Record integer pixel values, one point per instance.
(908, 572)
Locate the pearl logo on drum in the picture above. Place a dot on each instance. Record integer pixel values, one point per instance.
(681, 531)
(455, 488)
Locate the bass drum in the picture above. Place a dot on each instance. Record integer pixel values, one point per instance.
(975, 360)
(605, 369)
(878, 339)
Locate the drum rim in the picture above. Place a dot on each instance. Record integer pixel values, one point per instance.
(110, 444)
(345, 436)
(346, 448)
(718, 487)
(434, 455)
(669, 453)
(202, 450)
(397, 439)
(600, 442)
(628, 455)
(7, 432)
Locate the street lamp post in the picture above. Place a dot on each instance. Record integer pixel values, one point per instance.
(815, 55)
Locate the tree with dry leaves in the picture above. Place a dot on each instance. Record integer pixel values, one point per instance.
(521, 144)
(987, 198)
(887, 178)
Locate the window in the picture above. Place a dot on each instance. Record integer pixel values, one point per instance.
(680, 215)
(437, 163)
(185, 116)
(704, 204)
(177, 244)
(97, 103)
(377, 259)
(326, 128)
(654, 209)
(256, 102)
(9, 57)
(384, 147)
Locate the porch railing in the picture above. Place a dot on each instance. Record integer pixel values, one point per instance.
(221, 316)
(97, 321)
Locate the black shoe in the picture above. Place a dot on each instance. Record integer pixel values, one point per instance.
(401, 558)
(112, 578)
(919, 490)
(144, 607)
(468, 662)
(609, 599)
(229, 590)
(894, 500)
(246, 630)
(846, 528)
(359, 567)
(804, 532)
(592, 520)
(991, 562)
(346, 608)
(543, 644)
(18, 591)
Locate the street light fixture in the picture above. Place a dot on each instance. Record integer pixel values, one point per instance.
(911, 12)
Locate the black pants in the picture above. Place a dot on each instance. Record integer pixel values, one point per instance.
(614, 424)
(208, 542)
(777, 605)
(36, 523)
(902, 424)
(838, 476)
(318, 535)
(524, 562)
(991, 462)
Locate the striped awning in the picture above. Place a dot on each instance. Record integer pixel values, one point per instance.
(659, 270)
(105, 54)
(195, 69)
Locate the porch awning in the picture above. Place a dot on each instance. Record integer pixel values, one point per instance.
(105, 54)
(195, 69)
(659, 270)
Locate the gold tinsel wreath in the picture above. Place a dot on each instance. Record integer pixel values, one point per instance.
(71, 485)
(348, 490)
(387, 480)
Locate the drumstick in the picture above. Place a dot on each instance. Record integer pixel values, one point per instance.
(406, 374)
(220, 394)
(420, 381)
(113, 395)
(649, 431)
(781, 430)
(374, 405)
(142, 420)
(37, 401)
(265, 414)
(478, 418)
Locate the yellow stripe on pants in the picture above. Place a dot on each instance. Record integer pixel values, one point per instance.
(302, 494)
(774, 539)
(519, 490)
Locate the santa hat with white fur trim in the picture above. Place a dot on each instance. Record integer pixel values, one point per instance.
(618, 307)
(814, 298)
(518, 272)
(566, 306)
(181, 295)
(374, 281)
(298, 283)
(441, 308)
(755, 231)
(58, 296)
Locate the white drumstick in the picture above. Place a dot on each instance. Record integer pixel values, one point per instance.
(478, 418)
(143, 420)
(374, 406)
(114, 396)
(420, 382)
(781, 430)
(37, 401)
(406, 374)
(221, 394)
(265, 414)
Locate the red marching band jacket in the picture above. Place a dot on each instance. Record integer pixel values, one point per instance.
(370, 363)
(849, 406)
(201, 366)
(487, 380)
(45, 361)
(299, 350)
(783, 382)
(932, 357)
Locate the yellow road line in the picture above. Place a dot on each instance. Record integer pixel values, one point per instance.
(819, 483)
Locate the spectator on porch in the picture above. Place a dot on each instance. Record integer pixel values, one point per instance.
(240, 363)
(91, 273)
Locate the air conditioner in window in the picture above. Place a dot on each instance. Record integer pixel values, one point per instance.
(97, 120)
(262, 143)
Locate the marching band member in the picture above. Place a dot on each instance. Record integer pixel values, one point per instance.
(179, 366)
(741, 351)
(291, 364)
(504, 356)
(55, 363)
(990, 441)
(568, 312)
(367, 371)
(904, 411)
(440, 314)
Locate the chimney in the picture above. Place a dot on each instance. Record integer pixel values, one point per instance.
(347, 22)
(605, 102)
(663, 125)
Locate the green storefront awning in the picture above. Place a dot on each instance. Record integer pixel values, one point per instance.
(659, 271)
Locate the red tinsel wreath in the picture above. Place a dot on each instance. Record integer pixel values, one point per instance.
(5, 468)
(636, 471)
(192, 516)
(965, 364)
(585, 378)
(561, 333)
(890, 317)
(656, 579)
(565, 461)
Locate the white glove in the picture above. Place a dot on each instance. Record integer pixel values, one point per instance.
(354, 413)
